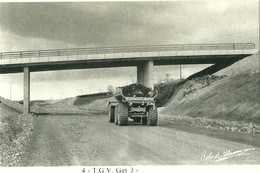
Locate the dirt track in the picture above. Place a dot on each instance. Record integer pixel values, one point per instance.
(90, 140)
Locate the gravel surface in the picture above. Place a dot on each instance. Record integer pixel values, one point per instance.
(16, 130)
(91, 140)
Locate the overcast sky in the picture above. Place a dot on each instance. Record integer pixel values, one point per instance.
(33, 26)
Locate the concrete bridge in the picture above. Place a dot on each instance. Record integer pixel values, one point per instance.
(143, 57)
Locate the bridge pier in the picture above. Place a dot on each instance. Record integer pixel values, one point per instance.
(145, 74)
(26, 90)
(140, 73)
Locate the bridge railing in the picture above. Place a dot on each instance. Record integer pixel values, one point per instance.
(126, 49)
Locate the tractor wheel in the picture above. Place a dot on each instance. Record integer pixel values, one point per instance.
(116, 115)
(122, 114)
(111, 114)
(137, 119)
(152, 116)
(144, 120)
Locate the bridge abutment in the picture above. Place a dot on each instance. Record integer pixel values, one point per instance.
(26, 90)
(145, 74)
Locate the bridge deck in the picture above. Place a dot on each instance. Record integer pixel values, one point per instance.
(78, 58)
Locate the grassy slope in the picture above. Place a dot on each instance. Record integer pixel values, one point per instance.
(83, 100)
(233, 98)
(165, 92)
(75, 105)
(12, 104)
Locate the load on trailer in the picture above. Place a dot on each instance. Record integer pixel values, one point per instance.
(134, 101)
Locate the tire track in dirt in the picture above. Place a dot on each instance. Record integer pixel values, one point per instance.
(47, 147)
(91, 140)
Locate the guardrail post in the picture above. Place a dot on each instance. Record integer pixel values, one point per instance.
(21, 54)
(0, 55)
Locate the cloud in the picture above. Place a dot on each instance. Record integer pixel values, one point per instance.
(34, 26)
(94, 23)
(14, 42)
(128, 23)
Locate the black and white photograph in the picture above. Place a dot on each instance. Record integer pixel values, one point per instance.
(129, 86)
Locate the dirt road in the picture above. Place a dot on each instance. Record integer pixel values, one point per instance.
(90, 140)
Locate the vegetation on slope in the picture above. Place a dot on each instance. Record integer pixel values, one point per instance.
(232, 99)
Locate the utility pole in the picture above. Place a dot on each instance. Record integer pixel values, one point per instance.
(180, 71)
(10, 90)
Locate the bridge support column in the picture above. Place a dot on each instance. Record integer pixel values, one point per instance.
(26, 90)
(140, 73)
(145, 74)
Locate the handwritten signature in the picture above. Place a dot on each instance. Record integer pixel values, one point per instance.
(224, 155)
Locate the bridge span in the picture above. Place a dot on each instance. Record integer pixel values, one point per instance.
(143, 57)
